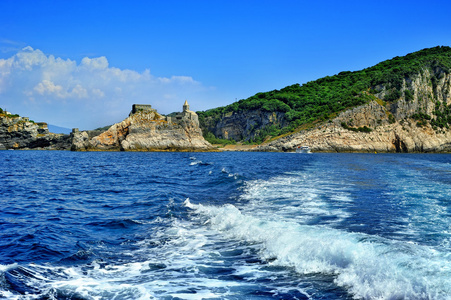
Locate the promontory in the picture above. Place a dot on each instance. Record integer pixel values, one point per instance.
(399, 105)
(18, 132)
(146, 130)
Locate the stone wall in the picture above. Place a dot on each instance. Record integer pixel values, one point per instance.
(141, 107)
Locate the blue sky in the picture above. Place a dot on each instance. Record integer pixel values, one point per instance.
(84, 63)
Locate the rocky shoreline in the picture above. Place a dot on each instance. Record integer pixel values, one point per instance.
(146, 130)
(404, 136)
(142, 132)
(376, 126)
(20, 133)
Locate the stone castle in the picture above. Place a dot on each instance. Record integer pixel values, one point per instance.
(176, 118)
(146, 130)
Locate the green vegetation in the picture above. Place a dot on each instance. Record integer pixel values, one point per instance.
(391, 119)
(322, 99)
(442, 114)
(104, 128)
(408, 95)
(4, 112)
(13, 116)
(360, 129)
(210, 137)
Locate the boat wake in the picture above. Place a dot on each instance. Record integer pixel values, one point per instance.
(367, 266)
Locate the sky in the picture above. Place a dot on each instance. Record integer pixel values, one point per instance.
(82, 64)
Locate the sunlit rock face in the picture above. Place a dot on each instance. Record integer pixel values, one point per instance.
(384, 126)
(146, 130)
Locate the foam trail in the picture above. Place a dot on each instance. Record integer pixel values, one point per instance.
(369, 267)
(3, 293)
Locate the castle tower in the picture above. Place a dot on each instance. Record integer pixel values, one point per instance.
(186, 106)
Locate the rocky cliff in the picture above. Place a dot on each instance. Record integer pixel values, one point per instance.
(20, 133)
(417, 121)
(146, 130)
(246, 124)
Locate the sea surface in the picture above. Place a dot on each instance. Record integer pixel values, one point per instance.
(232, 225)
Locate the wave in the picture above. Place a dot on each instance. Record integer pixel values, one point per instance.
(116, 223)
(368, 266)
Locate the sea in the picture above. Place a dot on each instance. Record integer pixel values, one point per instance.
(227, 225)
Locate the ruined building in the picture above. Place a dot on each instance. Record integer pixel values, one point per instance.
(176, 118)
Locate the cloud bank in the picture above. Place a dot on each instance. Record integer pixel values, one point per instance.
(88, 94)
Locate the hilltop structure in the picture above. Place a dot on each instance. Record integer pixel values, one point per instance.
(141, 107)
(176, 118)
(146, 130)
(186, 114)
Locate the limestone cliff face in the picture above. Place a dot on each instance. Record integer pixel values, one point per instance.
(145, 131)
(20, 133)
(427, 89)
(397, 137)
(392, 126)
(244, 124)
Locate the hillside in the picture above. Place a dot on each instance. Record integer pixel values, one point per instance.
(296, 107)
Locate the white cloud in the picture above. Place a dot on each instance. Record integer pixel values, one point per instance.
(86, 94)
(28, 58)
(99, 63)
(47, 87)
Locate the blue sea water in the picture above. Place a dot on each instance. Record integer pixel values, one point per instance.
(233, 225)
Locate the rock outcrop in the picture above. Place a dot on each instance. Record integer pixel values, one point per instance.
(408, 124)
(146, 130)
(403, 136)
(20, 133)
(244, 124)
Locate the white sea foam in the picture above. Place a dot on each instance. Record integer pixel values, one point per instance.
(3, 293)
(174, 268)
(4, 268)
(296, 196)
(369, 267)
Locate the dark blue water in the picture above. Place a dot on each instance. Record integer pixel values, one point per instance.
(116, 225)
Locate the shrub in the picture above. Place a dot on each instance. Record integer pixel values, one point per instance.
(408, 95)
(391, 119)
(360, 129)
(210, 137)
(393, 95)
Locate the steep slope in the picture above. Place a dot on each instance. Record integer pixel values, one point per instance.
(20, 133)
(412, 88)
(416, 121)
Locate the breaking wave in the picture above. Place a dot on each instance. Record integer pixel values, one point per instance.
(369, 267)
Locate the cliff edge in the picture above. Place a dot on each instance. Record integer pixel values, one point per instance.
(418, 121)
(146, 130)
(399, 105)
(20, 133)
